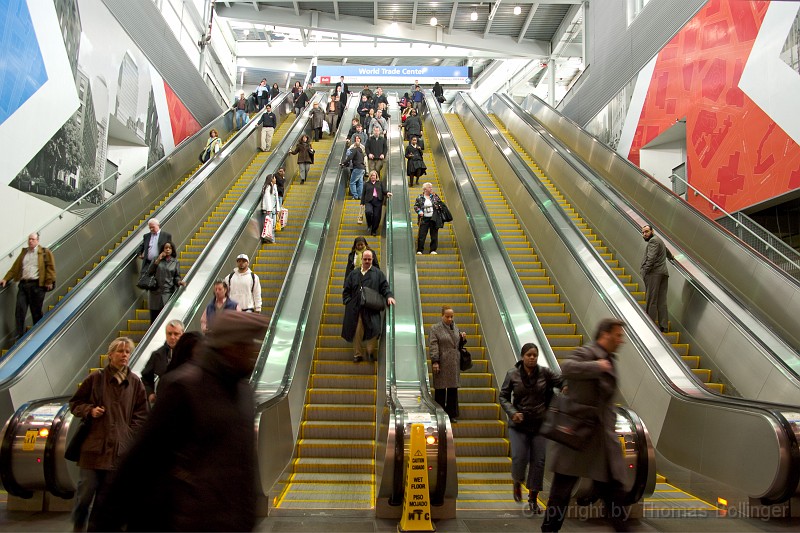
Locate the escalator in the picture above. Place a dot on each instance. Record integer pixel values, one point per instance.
(23, 471)
(706, 315)
(690, 424)
(482, 448)
(683, 349)
(99, 234)
(545, 300)
(187, 257)
(761, 285)
(52, 358)
(334, 462)
(272, 259)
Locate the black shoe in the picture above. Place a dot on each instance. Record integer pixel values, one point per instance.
(517, 492)
(533, 505)
(357, 359)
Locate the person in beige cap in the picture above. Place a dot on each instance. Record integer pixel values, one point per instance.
(244, 286)
(193, 466)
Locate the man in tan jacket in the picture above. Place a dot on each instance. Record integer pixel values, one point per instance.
(35, 270)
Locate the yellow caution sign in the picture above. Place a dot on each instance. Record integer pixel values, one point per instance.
(417, 498)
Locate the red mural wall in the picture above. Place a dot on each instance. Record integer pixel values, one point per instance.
(736, 154)
(183, 122)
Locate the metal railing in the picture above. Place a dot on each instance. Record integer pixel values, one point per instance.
(753, 234)
(13, 251)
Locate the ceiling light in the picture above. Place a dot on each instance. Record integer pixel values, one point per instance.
(517, 10)
(434, 21)
(473, 16)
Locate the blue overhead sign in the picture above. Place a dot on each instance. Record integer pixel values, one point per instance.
(398, 75)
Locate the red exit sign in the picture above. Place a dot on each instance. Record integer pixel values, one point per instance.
(325, 79)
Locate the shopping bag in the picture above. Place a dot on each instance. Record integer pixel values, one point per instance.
(283, 217)
(325, 127)
(268, 233)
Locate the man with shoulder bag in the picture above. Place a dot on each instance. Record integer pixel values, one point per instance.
(360, 322)
(591, 381)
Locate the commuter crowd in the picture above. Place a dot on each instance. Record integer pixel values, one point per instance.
(123, 459)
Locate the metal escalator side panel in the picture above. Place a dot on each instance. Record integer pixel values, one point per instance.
(704, 312)
(747, 273)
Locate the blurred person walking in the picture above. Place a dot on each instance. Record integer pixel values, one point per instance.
(591, 380)
(193, 466)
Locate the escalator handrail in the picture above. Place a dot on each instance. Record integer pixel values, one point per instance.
(779, 352)
(643, 456)
(781, 322)
(643, 463)
(632, 313)
(459, 168)
(28, 349)
(116, 198)
(686, 388)
(580, 248)
(315, 231)
(211, 260)
(397, 207)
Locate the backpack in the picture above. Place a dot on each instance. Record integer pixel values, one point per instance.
(252, 276)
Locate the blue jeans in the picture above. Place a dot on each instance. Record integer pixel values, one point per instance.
(527, 449)
(357, 182)
(90, 484)
(241, 118)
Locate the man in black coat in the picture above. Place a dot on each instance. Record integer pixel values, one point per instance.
(344, 91)
(152, 242)
(193, 465)
(159, 360)
(376, 150)
(372, 200)
(361, 323)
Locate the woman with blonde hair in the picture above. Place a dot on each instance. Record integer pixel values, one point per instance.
(115, 402)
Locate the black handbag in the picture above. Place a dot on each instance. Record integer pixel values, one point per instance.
(311, 155)
(147, 281)
(447, 216)
(569, 423)
(73, 450)
(466, 360)
(371, 299)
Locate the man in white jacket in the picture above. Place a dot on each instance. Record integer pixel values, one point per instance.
(245, 287)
